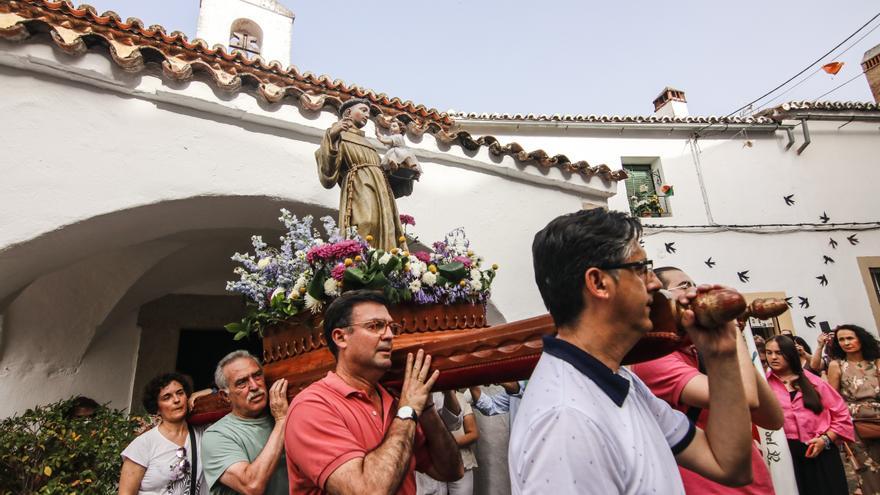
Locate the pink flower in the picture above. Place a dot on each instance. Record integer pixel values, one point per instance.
(337, 250)
(407, 220)
(423, 256)
(464, 260)
(338, 271)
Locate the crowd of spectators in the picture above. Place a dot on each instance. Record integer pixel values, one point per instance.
(582, 423)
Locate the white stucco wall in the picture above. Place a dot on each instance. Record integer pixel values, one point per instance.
(836, 174)
(119, 189)
(100, 163)
(216, 18)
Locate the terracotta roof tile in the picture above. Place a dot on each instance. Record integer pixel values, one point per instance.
(841, 106)
(612, 119)
(74, 30)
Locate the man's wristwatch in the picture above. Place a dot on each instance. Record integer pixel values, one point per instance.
(407, 412)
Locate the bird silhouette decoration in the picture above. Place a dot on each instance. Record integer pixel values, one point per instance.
(788, 301)
(743, 276)
(823, 280)
(670, 247)
(804, 302)
(809, 321)
(827, 259)
(824, 217)
(832, 243)
(709, 262)
(852, 239)
(789, 200)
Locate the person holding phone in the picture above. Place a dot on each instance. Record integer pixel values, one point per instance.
(816, 418)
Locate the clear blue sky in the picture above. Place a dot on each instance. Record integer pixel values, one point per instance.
(525, 56)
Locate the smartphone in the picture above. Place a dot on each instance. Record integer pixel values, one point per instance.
(826, 328)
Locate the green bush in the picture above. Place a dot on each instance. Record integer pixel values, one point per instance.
(42, 451)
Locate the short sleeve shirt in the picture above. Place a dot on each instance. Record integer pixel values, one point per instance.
(331, 423)
(233, 439)
(582, 428)
(165, 473)
(667, 378)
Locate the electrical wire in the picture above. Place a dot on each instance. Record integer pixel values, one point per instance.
(836, 56)
(764, 228)
(853, 78)
(805, 69)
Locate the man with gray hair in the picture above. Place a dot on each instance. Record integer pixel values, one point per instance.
(244, 451)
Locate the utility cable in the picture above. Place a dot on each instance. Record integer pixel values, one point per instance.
(805, 69)
(853, 78)
(836, 56)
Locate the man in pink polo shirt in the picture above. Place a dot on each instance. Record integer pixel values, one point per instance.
(346, 434)
(678, 380)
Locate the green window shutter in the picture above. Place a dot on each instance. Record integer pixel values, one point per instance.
(639, 175)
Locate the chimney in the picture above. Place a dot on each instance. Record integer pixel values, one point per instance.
(670, 103)
(871, 66)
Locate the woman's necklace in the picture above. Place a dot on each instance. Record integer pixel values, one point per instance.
(788, 379)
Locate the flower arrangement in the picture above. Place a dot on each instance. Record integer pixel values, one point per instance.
(306, 272)
(646, 203)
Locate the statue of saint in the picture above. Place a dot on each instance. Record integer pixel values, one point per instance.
(366, 200)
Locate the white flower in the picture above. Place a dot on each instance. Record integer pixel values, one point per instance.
(429, 279)
(384, 259)
(299, 284)
(319, 241)
(415, 286)
(313, 304)
(263, 263)
(643, 188)
(416, 267)
(331, 287)
(476, 284)
(278, 290)
(475, 274)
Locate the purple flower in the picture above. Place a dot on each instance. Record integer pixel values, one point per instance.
(407, 220)
(423, 256)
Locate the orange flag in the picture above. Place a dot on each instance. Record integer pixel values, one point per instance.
(833, 68)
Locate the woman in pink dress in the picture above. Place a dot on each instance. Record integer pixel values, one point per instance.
(816, 419)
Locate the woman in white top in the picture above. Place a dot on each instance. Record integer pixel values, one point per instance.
(160, 461)
(466, 437)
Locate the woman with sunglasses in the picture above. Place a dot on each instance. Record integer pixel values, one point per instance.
(854, 373)
(816, 418)
(161, 460)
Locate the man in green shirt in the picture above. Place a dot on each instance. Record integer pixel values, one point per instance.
(244, 451)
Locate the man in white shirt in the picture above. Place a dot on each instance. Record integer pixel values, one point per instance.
(587, 425)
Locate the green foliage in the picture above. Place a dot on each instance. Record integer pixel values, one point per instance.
(42, 451)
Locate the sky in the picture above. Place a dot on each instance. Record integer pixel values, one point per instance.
(568, 57)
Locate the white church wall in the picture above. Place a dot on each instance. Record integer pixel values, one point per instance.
(104, 161)
(216, 18)
(48, 349)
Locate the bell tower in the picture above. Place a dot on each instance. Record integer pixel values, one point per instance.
(254, 27)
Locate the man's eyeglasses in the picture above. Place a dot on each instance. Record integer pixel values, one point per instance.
(687, 284)
(640, 268)
(378, 326)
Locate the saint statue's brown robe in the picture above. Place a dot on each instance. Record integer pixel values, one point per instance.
(366, 200)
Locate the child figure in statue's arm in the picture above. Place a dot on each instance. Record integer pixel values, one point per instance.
(398, 155)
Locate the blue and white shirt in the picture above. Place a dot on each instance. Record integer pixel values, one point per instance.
(582, 428)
